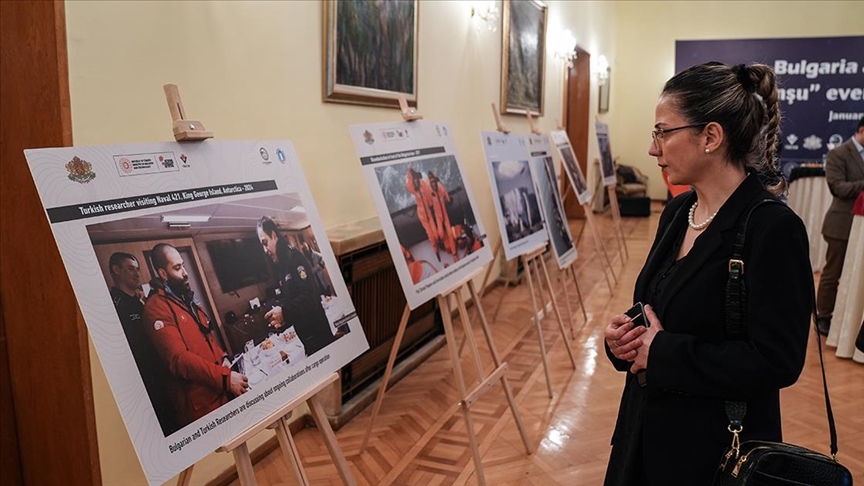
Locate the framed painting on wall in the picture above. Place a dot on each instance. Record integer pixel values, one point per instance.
(523, 53)
(370, 51)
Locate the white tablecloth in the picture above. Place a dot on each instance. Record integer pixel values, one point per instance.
(849, 308)
(809, 197)
(260, 364)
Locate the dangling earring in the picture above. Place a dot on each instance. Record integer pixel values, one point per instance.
(707, 150)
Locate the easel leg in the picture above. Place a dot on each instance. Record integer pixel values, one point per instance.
(330, 441)
(545, 304)
(497, 360)
(512, 270)
(569, 308)
(598, 241)
(400, 332)
(289, 450)
(616, 218)
(527, 264)
(460, 384)
(485, 282)
(469, 333)
(543, 267)
(245, 472)
(185, 477)
(579, 293)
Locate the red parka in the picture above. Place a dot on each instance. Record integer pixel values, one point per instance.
(191, 353)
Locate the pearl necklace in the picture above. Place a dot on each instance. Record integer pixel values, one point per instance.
(702, 225)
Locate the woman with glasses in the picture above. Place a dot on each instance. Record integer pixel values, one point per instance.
(716, 130)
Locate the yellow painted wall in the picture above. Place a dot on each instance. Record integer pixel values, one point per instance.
(253, 70)
(645, 56)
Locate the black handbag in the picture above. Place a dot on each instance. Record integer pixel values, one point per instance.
(762, 463)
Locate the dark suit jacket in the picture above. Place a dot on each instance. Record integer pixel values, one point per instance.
(676, 425)
(844, 173)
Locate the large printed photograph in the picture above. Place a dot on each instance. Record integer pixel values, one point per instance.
(553, 210)
(574, 172)
(431, 214)
(607, 163)
(216, 300)
(517, 199)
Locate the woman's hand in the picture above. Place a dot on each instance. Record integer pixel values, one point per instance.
(640, 362)
(623, 340)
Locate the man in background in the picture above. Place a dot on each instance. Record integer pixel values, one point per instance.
(299, 297)
(844, 173)
(126, 294)
(183, 336)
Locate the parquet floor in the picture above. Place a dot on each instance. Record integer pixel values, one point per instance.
(419, 437)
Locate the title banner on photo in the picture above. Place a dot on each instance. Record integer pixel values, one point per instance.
(820, 81)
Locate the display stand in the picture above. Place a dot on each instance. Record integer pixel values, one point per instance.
(467, 397)
(535, 256)
(192, 130)
(598, 240)
(279, 420)
(617, 226)
(571, 269)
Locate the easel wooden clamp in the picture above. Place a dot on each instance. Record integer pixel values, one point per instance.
(193, 130)
(533, 127)
(408, 114)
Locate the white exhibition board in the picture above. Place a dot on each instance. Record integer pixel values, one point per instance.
(551, 204)
(607, 163)
(571, 166)
(205, 200)
(514, 192)
(425, 204)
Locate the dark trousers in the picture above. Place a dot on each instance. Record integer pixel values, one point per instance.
(827, 293)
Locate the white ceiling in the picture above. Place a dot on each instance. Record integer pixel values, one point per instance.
(224, 218)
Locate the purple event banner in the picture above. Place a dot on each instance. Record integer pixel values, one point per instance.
(820, 80)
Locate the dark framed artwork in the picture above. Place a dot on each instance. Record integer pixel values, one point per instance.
(603, 103)
(370, 51)
(523, 54)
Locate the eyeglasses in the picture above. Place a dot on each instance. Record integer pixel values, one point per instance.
(658, 134)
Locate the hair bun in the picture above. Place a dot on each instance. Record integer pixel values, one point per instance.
(742, 72)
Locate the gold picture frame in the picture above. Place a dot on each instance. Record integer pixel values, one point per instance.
(372, 69)
(523, 63)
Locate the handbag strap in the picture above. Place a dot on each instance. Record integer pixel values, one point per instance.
(736, 328)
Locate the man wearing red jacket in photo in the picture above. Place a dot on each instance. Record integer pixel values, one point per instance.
(183, 336)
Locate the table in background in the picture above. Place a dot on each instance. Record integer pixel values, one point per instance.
(849, 309)
(810, 197)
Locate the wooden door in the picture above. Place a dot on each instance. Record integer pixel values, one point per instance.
(48, 398)
(577, 103)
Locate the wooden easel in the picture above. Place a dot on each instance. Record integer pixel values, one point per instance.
(467, 397)
(570, 268)
(535, 256)
(595, 233)
(617, 225)
(279, 420)
(192, 130)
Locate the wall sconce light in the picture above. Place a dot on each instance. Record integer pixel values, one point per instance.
(485, 12)
(565, 48)
(602, 70)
